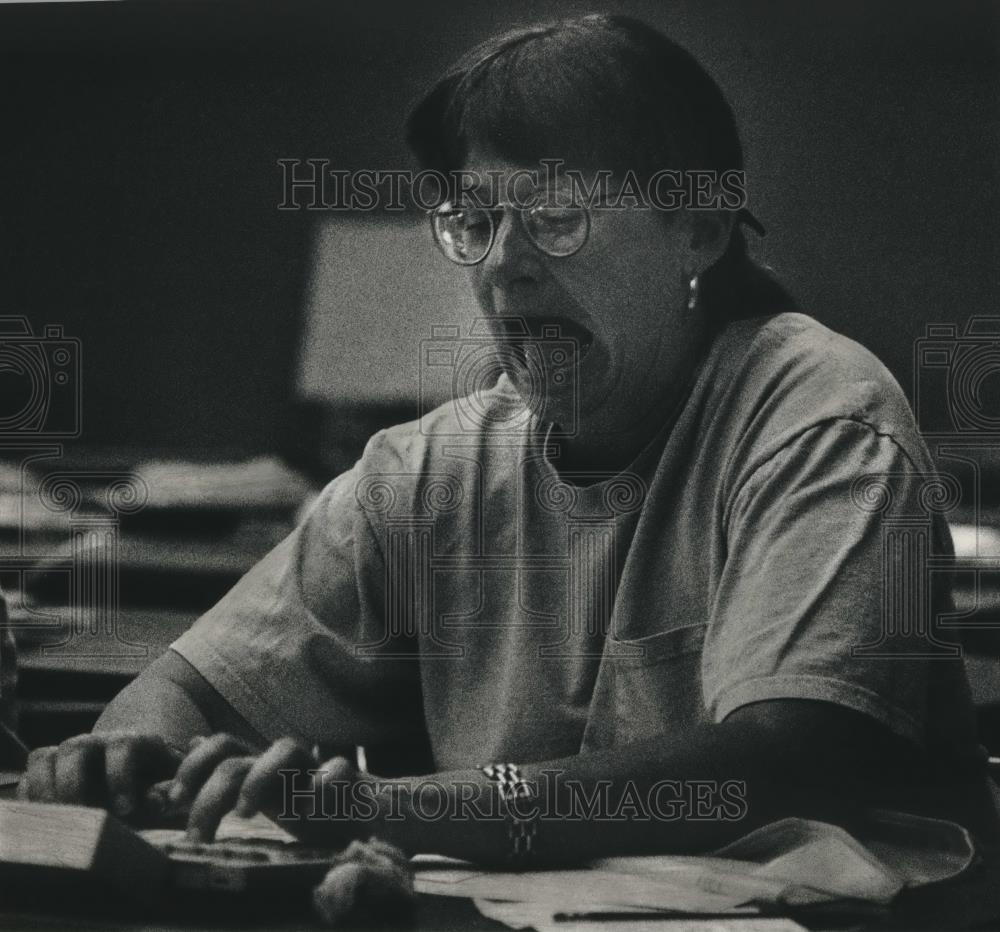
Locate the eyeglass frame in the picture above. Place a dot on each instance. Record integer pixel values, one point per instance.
(743, 216)
(494, 226)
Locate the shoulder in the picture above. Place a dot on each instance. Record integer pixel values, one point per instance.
(402, 465)
(794, 364)
(474, 419)
(781, 376)
(793, 358)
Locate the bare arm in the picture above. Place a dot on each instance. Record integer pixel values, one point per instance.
(682, 793)
(170, 698)
(138, 741)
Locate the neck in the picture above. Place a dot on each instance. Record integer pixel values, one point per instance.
(609, 453)
(614, 448)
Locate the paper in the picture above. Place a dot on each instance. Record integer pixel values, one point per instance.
(793, 862)
(593, 888)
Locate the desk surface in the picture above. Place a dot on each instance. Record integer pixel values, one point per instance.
(434, 914)
(978, 907)
(971, 901)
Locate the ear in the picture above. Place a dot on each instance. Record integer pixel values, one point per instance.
(710, 232)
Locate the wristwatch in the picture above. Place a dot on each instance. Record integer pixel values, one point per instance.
(522, 821)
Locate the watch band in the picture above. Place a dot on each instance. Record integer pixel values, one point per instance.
(521, 829)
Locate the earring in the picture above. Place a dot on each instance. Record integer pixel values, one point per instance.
(692, 298)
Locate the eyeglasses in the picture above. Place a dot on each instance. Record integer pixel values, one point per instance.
(466, 234)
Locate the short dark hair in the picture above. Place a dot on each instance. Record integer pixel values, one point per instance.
(608, 90)
(604, 91)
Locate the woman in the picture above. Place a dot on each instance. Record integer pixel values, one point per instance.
(648, 570)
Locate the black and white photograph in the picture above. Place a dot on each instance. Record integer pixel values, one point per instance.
(472, 467)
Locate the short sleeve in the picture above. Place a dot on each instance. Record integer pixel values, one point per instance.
(803, 585)
(299, 645)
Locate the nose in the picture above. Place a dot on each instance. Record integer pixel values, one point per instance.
(513, 257)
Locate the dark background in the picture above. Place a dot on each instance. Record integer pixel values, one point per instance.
(139, 184)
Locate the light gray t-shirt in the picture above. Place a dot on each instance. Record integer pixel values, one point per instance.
(455, 584)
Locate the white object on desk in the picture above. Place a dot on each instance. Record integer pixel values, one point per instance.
(792, 862)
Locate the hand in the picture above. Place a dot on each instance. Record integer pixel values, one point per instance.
(370, 882)
(114, 770)
(223, 773)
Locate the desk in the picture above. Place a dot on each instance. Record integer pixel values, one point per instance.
(972, 901)
(434, 914)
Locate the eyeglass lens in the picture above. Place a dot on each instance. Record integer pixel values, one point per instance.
(465, 234)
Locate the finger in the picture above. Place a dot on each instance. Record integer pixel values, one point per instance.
(338, 893)
(201, 762)
(264, 785)
(131, 764)
(396, 855)
(386, 889)
(38, 782)
(335, 776)
(217, 797)
(332, 790)
(78, 771)
(156, 805)
(339, 770)
(358, 888)
(371, 853)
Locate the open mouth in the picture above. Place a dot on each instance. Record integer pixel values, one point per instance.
(555, 342)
